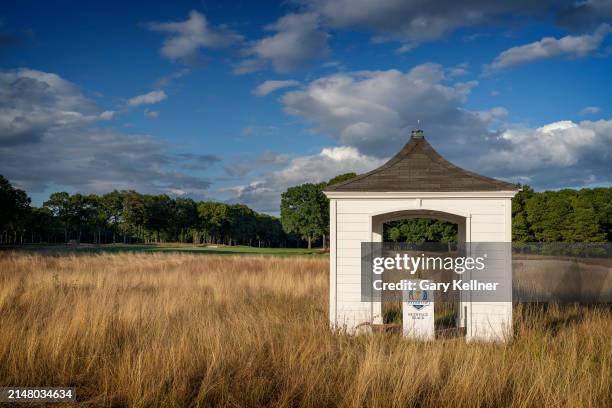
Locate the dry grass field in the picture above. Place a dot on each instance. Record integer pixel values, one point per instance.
(159, 329)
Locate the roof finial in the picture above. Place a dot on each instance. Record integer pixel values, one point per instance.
(417, 133)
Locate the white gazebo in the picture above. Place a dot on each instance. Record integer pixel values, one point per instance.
(417, 183)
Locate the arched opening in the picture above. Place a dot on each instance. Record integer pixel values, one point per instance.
(418, 232)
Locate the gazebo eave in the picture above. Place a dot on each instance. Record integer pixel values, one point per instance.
(419, 194)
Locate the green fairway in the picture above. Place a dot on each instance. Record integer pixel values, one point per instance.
(210, 250)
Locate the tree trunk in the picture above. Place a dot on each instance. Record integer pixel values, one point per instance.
(309, 243)
(324, 241)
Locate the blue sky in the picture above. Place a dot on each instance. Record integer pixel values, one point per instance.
(235, 101)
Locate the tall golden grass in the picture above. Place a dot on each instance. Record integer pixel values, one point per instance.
(190, 330)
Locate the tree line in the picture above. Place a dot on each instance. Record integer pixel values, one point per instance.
(566, 215)
(132, 217)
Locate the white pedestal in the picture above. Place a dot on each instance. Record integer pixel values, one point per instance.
(418, 314)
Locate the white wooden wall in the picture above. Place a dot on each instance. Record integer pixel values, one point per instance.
(487, 219)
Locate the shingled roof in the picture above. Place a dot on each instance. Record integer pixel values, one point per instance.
(418, 167)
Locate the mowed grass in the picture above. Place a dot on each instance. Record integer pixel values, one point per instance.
(195, 249)
(177, 329)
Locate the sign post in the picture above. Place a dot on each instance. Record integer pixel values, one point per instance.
(418, 313)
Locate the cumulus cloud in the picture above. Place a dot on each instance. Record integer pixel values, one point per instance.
(329, 163)
(297, 39)
(32, 101)
(148, 98)
(376, 110)
(590, 110)
(264, 193)
(66, 149)
(187, 37)
(270, 86)
(559, 154)
(570, 46)
(414, 22)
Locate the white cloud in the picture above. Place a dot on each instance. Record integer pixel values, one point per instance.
(271, 86)
(107, 115)
(590, 110)
(376, 110)
(297, 40)
(492, 114)
(548, 47)
(148, 98)
(32, 101)
(264, 192)
(187, 37)
(329, 163)
(559, 154)
(48, 138)
(151, 114)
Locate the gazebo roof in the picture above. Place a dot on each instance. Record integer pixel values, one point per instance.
(418, 167)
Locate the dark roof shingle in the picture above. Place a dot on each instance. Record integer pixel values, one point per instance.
(418, 167)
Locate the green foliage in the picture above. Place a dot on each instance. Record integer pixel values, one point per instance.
(562, 216)
(137, 218)
(305, 211)
(418, 230)
(14, 210)
(341, 178)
